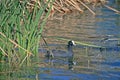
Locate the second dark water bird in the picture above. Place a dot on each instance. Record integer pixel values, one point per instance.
(69, 54)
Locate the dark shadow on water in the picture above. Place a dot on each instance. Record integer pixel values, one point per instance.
(115, 48)
(70, 63)
(69, 60)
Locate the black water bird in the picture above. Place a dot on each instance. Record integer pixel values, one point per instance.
(51, 54)
(54, 53)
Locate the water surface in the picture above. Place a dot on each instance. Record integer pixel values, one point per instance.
(90, 63)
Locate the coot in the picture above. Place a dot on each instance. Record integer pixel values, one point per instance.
(60, 53)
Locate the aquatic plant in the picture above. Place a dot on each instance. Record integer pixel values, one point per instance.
(78, 42)
(21, 30)
(67, 6)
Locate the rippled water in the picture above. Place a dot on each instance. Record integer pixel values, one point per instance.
(90, 63)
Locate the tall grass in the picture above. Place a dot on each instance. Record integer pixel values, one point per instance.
(20, 31)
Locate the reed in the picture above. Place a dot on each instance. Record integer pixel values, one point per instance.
(67, 6)
(20, 30)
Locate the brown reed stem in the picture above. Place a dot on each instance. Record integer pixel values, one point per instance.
(87, 7)
(4, 53)
(77, 7)
(13, 42)
(113, 9)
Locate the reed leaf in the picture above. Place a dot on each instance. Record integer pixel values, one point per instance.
(20, 30)
(78, 42)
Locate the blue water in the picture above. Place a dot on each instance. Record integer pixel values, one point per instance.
(61, 74)
(90, 63)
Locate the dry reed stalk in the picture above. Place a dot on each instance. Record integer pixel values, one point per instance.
(24, 60)
(113, 9)
(31, 4)
(13, 42)
(76, 6)
(61, 2)
(87, 8)
(4, 53)
(58, 9)
(67, 4)
(64, 6)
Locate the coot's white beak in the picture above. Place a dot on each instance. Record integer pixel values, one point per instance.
(73, 43)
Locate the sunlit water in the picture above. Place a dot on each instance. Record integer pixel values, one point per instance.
(89, 63)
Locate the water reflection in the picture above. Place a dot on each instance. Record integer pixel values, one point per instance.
(91, 63)
(69, 61)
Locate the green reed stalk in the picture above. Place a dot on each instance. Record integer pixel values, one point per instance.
(20, 30)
